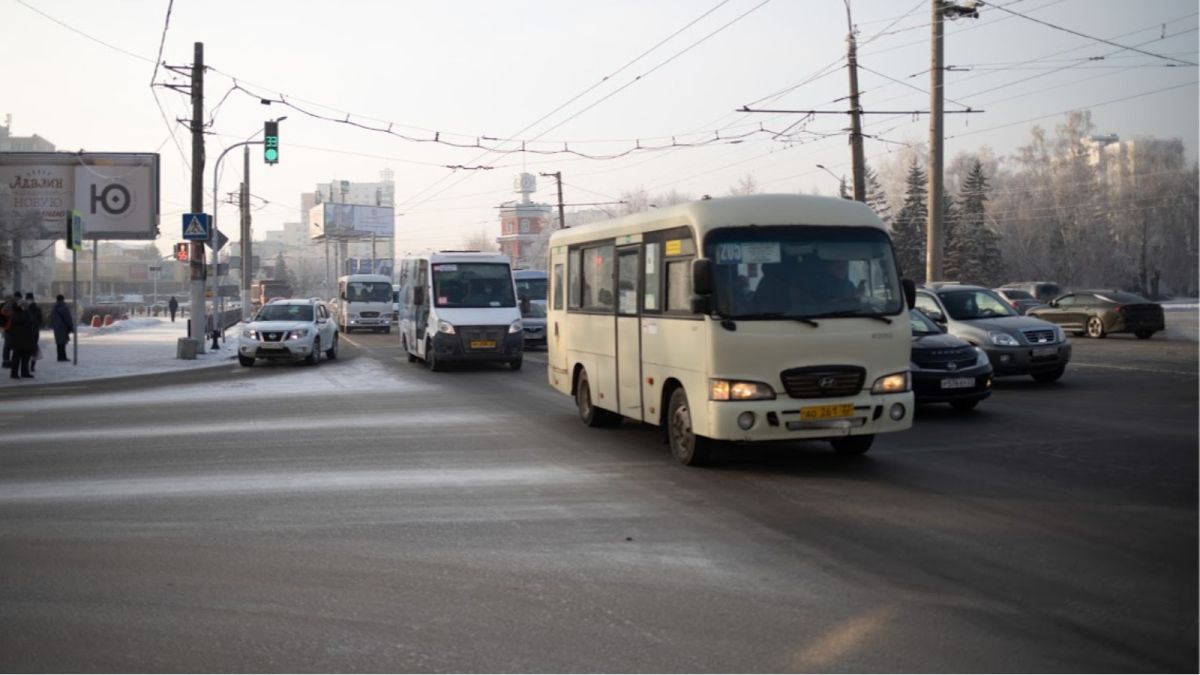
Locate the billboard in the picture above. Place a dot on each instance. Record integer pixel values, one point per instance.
(363, 266)
(116, 193)
(338, 221)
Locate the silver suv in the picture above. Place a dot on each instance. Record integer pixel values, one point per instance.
(289, 330)
(1015, 344)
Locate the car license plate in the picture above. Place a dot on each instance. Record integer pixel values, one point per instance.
(1045, 351)
(483, 344)
(824, 412)
(958, 382)
(271, 345)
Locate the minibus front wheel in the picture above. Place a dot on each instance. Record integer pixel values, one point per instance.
(688, 448)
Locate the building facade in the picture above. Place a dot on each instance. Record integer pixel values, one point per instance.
(525, 226)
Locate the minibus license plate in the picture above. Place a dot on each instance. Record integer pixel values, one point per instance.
(483, 344)
(824, 412)
(958, 382)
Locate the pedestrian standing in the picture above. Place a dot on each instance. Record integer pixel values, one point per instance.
(20, 337)
(6, 311)
(60, 321)
(37, 320)
(173, 305)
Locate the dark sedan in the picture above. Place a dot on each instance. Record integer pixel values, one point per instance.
(1098, 313)
(1022, 301)
(946, 369)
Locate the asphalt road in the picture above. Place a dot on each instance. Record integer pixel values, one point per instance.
(368, 515)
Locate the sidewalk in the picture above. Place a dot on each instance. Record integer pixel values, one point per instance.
(139, 346)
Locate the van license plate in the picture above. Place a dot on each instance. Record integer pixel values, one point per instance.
(824, 412)
(1046, 351)
(958, 382)
(483, 344)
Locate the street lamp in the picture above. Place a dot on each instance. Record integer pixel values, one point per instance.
(840, 179)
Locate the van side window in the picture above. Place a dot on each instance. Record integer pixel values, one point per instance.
(598, 278)
(558, 289)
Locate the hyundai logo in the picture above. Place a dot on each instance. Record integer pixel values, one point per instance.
(826, 382)
(952, 366)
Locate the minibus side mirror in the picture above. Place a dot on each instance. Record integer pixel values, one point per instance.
(418, 295)
(910, 292)
(701, 304)
(702, 276)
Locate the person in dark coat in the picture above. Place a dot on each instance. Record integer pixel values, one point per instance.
(173, 305)
(20, 336)
(61, 323)
(37, 320)
(6, 311)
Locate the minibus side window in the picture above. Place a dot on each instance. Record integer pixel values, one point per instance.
(598, 278)
(679, 286)
(558, 289)
(575, 275)
(653, 261)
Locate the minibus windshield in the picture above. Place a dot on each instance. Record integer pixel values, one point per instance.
(472, 285)
(803, 272)
(368, 291)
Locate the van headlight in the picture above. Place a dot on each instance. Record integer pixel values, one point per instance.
(738, 390)
(515, 327)
(892, 384)
(445, 327)
(1003, 339)
(297, 334)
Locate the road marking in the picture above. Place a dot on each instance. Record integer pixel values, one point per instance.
(1140, 370)
(346, 337)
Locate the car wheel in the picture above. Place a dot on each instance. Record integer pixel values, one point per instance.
(1095, 327)
(246, 361)
(964, 406)
(431, 360)
(515, 364)
(852, 445)
(331, 353)
(314, 357)
(1050, 375)
(1143, 334)
(589, 414)
(688, 448)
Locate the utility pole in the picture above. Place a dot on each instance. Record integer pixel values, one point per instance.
(856, 141)
(934, 235)
(196, 260)
(247, 268)
(562, 218)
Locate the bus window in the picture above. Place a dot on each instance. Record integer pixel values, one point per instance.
(598, 278)
(558, 289)
(575, 273)
(650, 297)
(679, 286)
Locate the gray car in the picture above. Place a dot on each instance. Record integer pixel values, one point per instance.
(1015, 344)
(1020, 300)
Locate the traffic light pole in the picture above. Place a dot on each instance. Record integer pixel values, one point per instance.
(247, 268)
(217, 326)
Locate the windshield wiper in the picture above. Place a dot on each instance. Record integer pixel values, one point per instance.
(776, 315)
(849, 313)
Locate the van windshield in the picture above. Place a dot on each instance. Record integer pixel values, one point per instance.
(368, 291)
(473, 285)
(803, 272)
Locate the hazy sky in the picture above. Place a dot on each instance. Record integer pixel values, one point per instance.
(477, 69)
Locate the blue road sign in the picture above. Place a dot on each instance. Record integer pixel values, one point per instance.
(195, 226)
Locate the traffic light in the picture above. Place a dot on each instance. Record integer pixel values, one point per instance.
(271, 142)
(181, 251)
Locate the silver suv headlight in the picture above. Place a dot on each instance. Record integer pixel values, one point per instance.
(297, 334)
(250, 333)
(1003, 339)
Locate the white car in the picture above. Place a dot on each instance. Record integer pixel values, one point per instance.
(289, 329)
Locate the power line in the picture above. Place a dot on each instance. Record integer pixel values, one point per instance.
(93, 38)
(162, 41)
(1084, 35)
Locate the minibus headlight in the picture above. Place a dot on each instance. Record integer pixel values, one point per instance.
(515, 327)
(891, 384)
(445, 327)
(737, 390)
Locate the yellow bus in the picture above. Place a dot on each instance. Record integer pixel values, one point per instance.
(754, 318)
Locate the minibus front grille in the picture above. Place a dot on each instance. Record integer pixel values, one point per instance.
(823, 381)
(482, 338)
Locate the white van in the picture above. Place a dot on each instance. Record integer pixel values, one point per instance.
(364, 302)
(460, 306)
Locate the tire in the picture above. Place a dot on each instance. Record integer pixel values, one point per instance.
(515, 364)
(1050, 375)
(431, 360)
(246, 361)
(314, 357)
(331, 353)
(687, 448)
(852, 445)
(1144, 334)
(589, 414)
(412, 358)
(965, 405)
(1095, 327)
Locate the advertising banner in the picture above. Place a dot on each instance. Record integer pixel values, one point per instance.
(350, 221)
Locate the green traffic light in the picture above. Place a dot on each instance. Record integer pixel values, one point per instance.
(271, 155)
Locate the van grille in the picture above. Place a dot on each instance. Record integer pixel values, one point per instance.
(823, 381)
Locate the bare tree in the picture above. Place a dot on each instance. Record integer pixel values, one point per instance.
(746, 185)
(480, 241)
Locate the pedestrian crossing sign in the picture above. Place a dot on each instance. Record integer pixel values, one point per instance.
(195, 226)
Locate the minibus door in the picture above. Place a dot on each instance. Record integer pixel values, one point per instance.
(629, 333)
